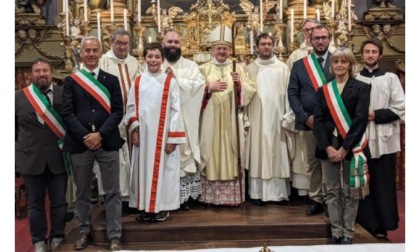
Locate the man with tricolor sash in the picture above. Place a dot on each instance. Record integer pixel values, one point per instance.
(92, 111)
(307, 75)
(299, 177)
(340, 120)
(39, 134)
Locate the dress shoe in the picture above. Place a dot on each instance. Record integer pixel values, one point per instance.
(144, 217)
(257, 202)
(115, 244)
(315, 208)
(40, 246)
(334, 240)
(185, 206)
(346, 240)
(83, 241)
(381, 233)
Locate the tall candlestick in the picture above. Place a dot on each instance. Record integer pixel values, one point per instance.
(292, 21)
(281, 10)
(64, 6)
(112, 11)
(318, 15)
(333, 8)
(251, 42)
(304, 8)
(349, 14)
(158, 14)
(85, 12)
(261, 15)
(67, 19)
(98, 18)
(139, 11)
(125, 20)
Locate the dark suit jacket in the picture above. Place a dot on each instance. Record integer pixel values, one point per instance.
(81, 110)
(302, 94)
(356, 98)
(36, 144)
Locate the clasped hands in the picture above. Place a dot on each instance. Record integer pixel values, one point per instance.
(135, 139)
(93, 141)
(336, 156)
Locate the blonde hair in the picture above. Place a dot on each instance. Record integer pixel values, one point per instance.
(347, 54)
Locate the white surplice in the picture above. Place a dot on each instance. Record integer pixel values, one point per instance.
(155, 174)
(266, 145)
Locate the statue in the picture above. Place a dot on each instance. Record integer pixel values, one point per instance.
(28, 6)
(166, 18)
(385, 4)
(253, 14)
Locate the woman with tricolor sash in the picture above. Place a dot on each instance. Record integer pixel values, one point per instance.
(341, 115)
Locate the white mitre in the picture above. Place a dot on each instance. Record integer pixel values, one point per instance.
(221, 35)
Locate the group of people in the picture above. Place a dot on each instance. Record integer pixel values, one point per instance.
(172, 131)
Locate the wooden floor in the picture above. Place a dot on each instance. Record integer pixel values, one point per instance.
(216, 227)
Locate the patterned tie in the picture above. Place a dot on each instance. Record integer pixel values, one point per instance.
(92, 73)
(320, 60)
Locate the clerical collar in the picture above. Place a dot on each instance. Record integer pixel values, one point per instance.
(266, 62)
(221, 64)
(112, 55)
(372, 73)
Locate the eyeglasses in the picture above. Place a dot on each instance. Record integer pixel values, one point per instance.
(120, 43)
(318, 39)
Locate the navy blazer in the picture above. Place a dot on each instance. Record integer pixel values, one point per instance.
(80, 110)
(302, 94)
(36, 143)
(356, 98)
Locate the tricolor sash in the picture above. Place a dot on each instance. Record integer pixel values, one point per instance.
(314, 70)
(359, 176)
(51, 118)
(94, 88)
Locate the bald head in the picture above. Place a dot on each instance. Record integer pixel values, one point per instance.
(172, 45)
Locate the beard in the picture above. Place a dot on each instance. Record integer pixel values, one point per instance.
(172, 56)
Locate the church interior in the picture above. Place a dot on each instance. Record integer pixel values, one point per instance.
(53, 29)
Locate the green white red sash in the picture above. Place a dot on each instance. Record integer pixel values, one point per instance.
(359, 176)
(46, 111)
(94, 88)
(51, 118)
(314, 70)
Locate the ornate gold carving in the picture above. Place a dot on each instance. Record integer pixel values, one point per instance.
(383, 32)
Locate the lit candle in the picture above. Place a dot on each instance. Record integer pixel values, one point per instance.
(139, 11)
(150, 39)
(333, 9)
(125, 20)
(67, 19)
(261, 15)
(349, 14)
(64, 6)
(112, 11)
(85, 10)
(318, 15)
(292, 20)
(158, 14)
(251, 42)
(98, 18)
(281, 10)
(304, 9)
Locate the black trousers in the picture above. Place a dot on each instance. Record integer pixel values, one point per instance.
(37, 187)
